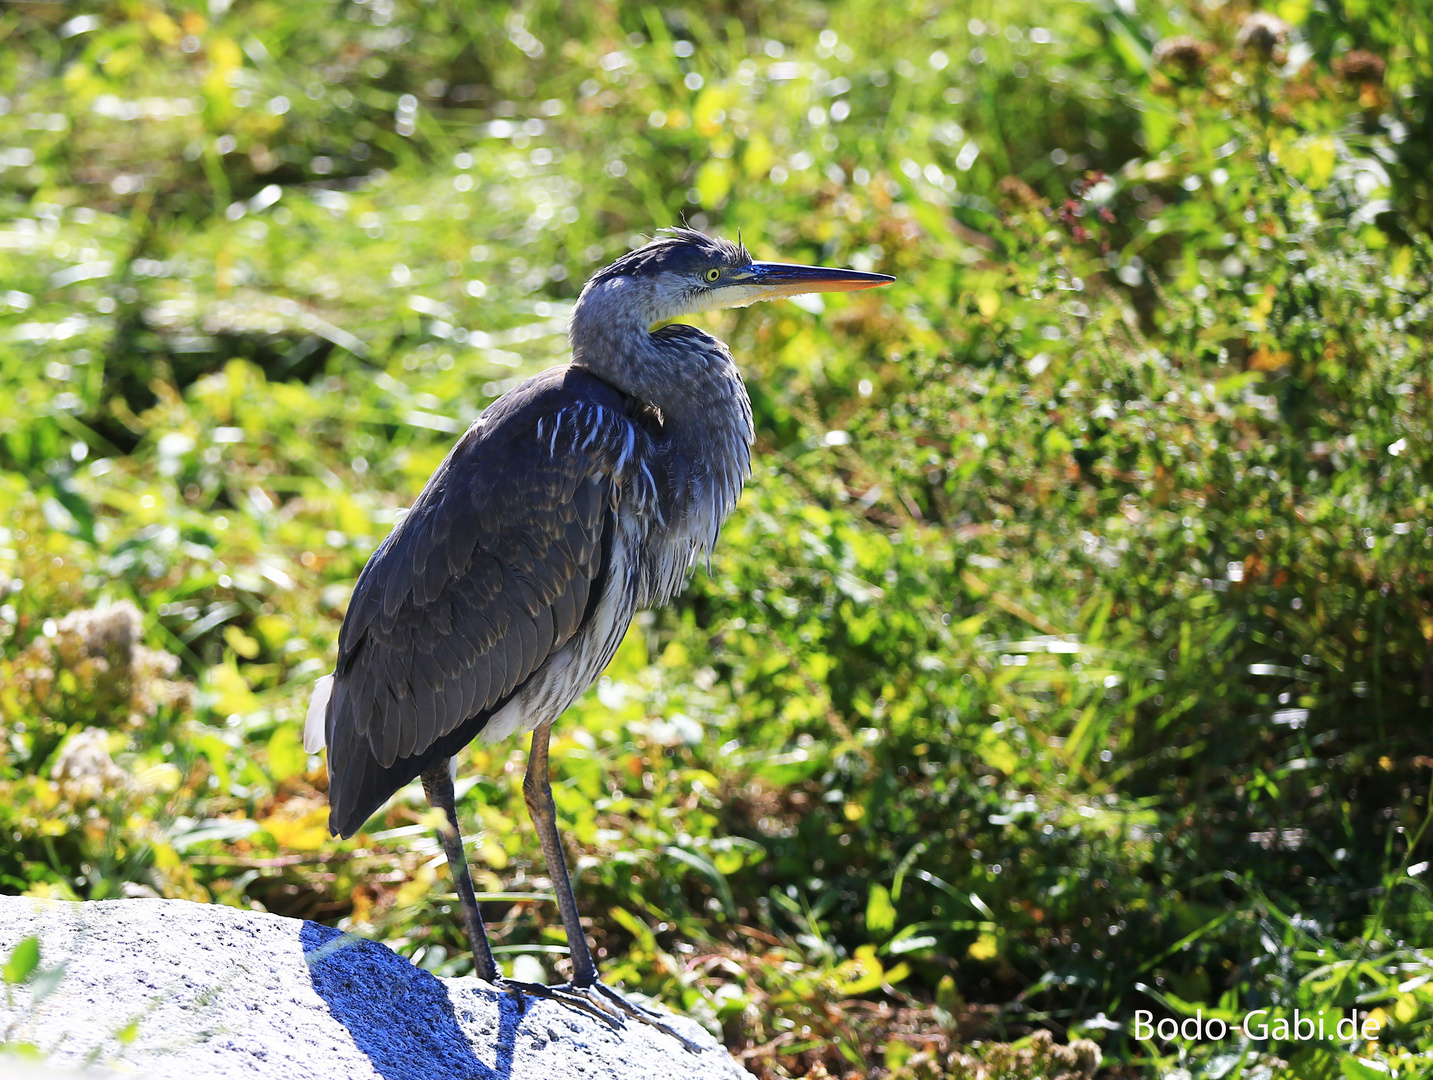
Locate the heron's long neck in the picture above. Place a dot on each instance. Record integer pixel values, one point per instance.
(690, 378)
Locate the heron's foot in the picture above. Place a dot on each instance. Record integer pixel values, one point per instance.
(602, 1002)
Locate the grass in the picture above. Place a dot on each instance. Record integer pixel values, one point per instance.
(1068, 655)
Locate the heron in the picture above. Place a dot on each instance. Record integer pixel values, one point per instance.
(582, 495)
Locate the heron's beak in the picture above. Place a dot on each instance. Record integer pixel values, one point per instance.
(771, 281)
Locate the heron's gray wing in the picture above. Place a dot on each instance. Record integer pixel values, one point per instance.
(487, 576)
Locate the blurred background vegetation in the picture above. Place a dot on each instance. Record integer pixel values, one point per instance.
(1071, 652)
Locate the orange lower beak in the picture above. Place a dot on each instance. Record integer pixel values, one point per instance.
(775, 280)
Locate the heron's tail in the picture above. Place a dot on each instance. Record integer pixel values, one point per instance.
(317, 711)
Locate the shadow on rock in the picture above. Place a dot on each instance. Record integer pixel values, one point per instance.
(400, 1015)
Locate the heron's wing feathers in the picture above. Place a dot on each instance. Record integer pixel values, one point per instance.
(488, 575)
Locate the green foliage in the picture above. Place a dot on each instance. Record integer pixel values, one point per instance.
(24, 958)
(22, 971)
(1069, 653)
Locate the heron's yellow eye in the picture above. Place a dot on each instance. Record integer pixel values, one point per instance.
(713, 274)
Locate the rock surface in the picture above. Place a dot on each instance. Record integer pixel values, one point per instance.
(173, 989)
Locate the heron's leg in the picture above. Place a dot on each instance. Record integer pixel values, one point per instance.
(438, 786)
(537, 790)
(586, 991)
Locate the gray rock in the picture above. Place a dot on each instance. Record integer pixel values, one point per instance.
(172, 989)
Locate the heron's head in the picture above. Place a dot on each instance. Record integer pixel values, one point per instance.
(683, 271)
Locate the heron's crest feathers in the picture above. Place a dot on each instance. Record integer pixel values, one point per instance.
(677, 250)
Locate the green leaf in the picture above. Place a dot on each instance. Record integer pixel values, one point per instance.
(985, 947)
(714, 181)
(916, 943)
(896, 1053)
(46, 982)
(861, 974)
(286, 753)
(728, 862)
(947, 996)
(636, 927)
(880, 913)
(1356, 1068)
(704, 866)
(23, 959)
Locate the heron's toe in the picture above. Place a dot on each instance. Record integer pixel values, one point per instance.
(603, 1002)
